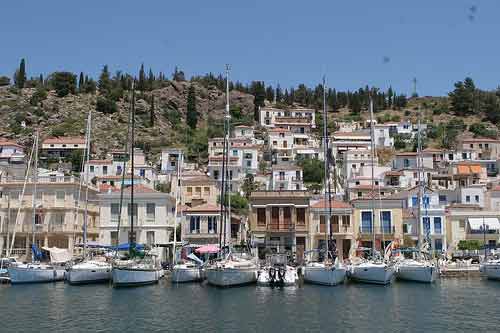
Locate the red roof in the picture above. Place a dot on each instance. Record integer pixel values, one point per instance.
(139, 188)
(479, 140)
(65, 139)
(336, 204)
(4, 142)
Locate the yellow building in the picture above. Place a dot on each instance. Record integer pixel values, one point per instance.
(382, 217)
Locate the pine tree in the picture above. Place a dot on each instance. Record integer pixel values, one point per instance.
(279, 94)
(141, 84)
(104, 83)
(151, 80)
(152, 111)
(270, 94)
(40, 80)
(81, 83)
(192, 114)
(20, 75)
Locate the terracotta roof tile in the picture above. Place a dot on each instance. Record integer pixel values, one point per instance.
(64, 139)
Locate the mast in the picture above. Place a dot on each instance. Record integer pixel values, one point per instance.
(35, 181)
(132, 140)
(228, 189)
(124, 172)
(372, 136)
(419, 167)
(327, 184)
(177, 202)
(87, 158)
(225, 154)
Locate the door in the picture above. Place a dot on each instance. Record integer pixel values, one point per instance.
(300, 248)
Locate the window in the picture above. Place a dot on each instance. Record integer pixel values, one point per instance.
(450, 157)
(91, 168)
(130, 210)
(471, 145)
(437, 225)
(464, 156)
(426, 221)
(275, 215)
(212, 224)
(198, 190)
(406, 228)
(60, 195)
(357, 182)
(38, 219)
(261, 216)
(360, 194)
(301, 216)
(206, 190)
(249, 164)
(476, 197)
(406, 163)
(150, 211)
(119, 170)
(14, 195)
(235, 152)
(366, 222)
(486, 145)
(230, 174)
(385, 217)
(461, 224)
(114, 237)
(142, 172)
(216, 174)
(481, 145)
(105, 170)
(376, 182)
(438, 244)
(150, 238)
(467, 198)
(194, 225)
(189, 190)
(442, 199)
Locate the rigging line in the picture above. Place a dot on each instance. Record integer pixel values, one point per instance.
(35, 181)
(124, 171)
(28, 169)
(328, 232)
(85, 216)
(78, 194)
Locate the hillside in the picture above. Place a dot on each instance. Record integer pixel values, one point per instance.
(67, 115)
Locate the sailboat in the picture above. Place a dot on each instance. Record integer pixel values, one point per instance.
(231, 269)
(374, 269)
(491, 267)
(189, 270)
(88, 270)
(420, 267)
(138, 267)
(330, 271)
(35, 271)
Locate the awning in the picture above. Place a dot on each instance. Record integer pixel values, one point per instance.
(491, 223)
(207, 249)
(58, 255)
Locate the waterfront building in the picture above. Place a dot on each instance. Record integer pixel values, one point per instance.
(386, 221)
(153, 213)
(59, 213)
(279, 222)
(341, 225)
(286, 177)
(293, 117)
(196, 189)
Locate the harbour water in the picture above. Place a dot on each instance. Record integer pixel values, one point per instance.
(447, 305)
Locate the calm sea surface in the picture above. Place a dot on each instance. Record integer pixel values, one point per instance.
(449, 305)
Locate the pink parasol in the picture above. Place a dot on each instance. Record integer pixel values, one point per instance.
(207, 249)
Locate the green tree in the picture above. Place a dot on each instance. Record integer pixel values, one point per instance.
(4, 81)
(480, 130)
(258, 90)
(491, 108)
(104, 83)
(178, 75)
(462, 97)
(106, 105)
(38, 96)
(249, 185)
(141, 83)
(313, 170)
(64, 83)
(20, 75)
(81, 83)
(192, 113)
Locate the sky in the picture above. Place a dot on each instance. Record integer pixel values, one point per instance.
(353, 43)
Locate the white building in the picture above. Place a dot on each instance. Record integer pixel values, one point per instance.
(61, 147)
(301, 118)
(12, 159)
(286, 178)
(169, 159)
(153, 217)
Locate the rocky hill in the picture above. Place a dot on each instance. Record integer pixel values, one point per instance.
(67, 115)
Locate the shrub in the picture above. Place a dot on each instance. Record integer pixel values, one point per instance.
(4, 81)
(105, 105)
(64, 83)
(39, 95)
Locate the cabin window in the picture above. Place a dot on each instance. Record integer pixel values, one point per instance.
(261, 216)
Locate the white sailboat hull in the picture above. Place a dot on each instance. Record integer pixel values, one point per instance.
(35, 274)
(89, 273)
(491, 270)
(123, 277)
(289, 278)
(324, 275)
(417, 273)
(230, 277)
(372, 273)
(186, 274)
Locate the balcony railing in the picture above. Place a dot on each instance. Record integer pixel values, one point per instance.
(281, 227)
(378, 230)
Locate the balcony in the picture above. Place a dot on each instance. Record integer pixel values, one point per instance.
(378, 230)
(283, 227)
